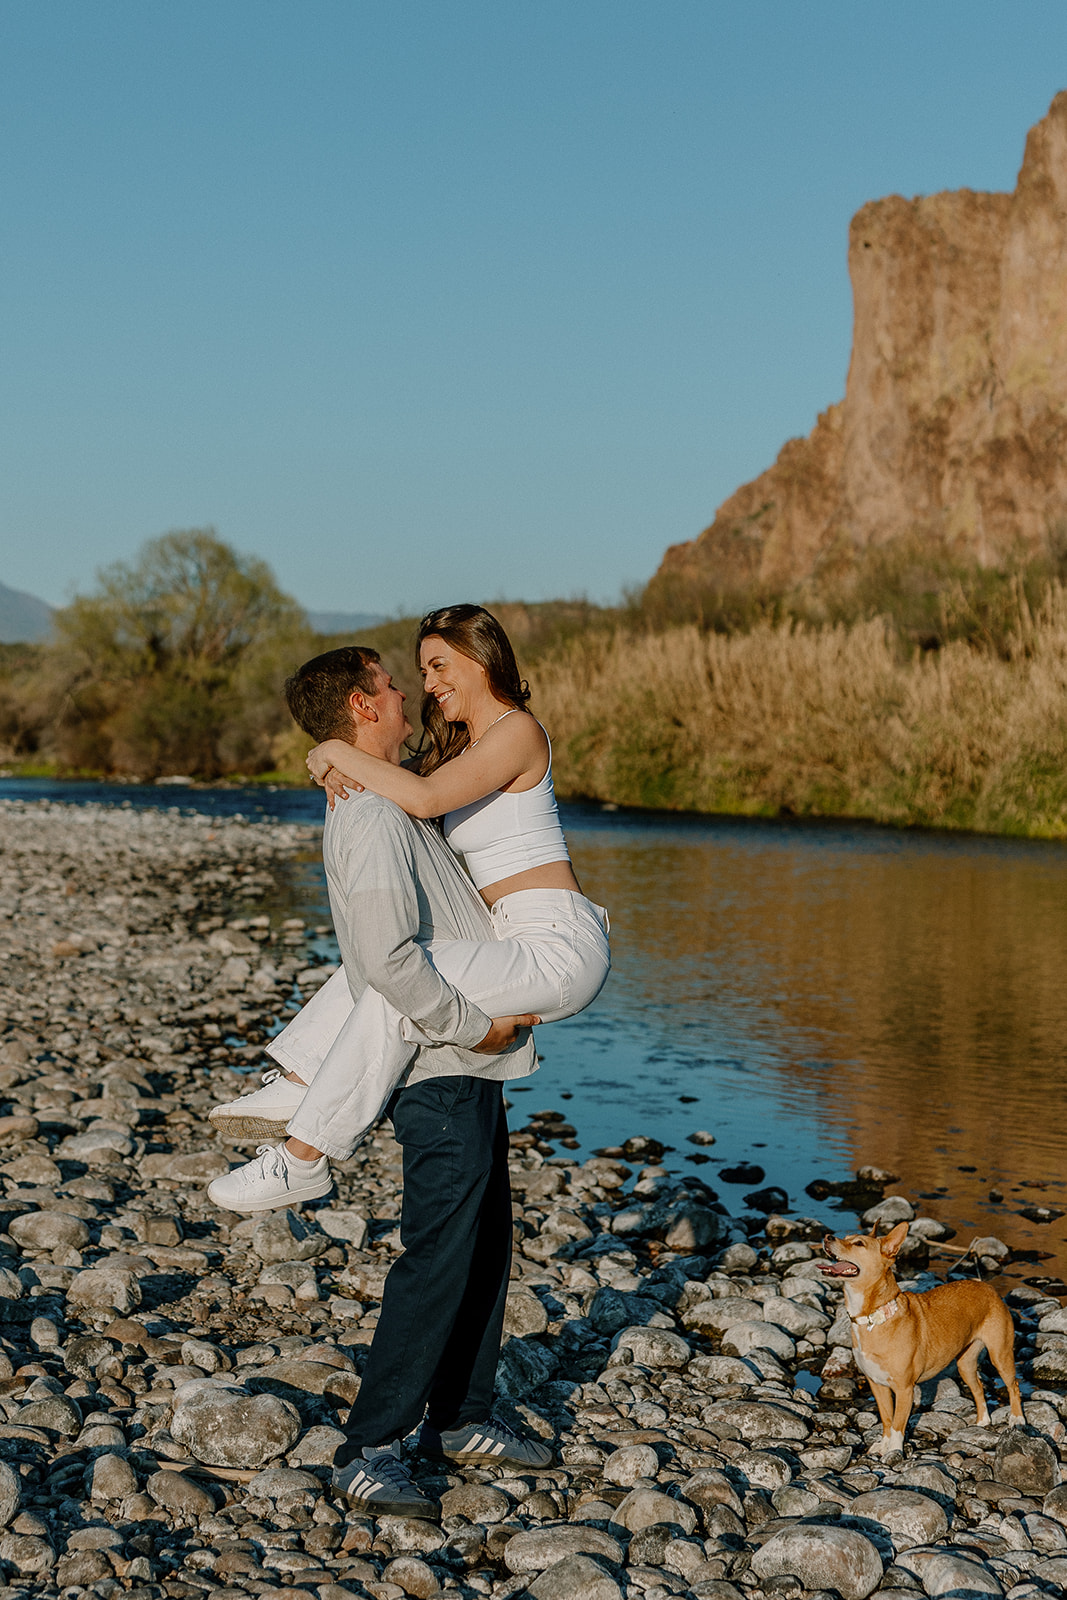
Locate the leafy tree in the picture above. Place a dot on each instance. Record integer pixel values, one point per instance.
(176, 663)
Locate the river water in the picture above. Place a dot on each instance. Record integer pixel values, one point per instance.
(817, 996)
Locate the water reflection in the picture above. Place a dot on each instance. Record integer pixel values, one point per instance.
(837, 996)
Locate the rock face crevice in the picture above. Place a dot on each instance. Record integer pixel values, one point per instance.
(954, 423)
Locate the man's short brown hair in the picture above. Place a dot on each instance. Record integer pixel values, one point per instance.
(317, 693)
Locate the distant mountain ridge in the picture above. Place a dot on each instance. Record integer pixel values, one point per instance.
(26, 620)
(23, 618)
(343, 621)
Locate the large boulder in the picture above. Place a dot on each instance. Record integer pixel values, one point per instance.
(345, 1224)
(958, 1574)
(307, 1377)
(416, 1578)
(742, 1338)
(537, 1549)
(632, 1461)
(284, 1483)
(285, 1236)
(1027, 1462)
(642, 1507)
(223, 1426)
(709, 1487)
(909, 1518)
(99, 1144)
(478, 1502)
(693, 1227)
(715, 1316)
(611, 1310)
(196, 1166)
(10, 1494)
(576, 1577)
(523, 1366)
(796, 1318)
(524, 1314)
(48, 1230)
(84, 1354)
(755, 1419)
(110, 1477)
(179, 1495)
(653, 1347)
(822, 1557)
(105, 1289)
(53, 1412)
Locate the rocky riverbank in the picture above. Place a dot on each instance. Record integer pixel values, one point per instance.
(172, 1377)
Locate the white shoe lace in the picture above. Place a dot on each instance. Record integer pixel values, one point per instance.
(266, 1080)
(269, 1163)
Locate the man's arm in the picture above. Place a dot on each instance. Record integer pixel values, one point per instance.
(381, 924)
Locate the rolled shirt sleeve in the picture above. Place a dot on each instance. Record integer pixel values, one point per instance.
(379, 937)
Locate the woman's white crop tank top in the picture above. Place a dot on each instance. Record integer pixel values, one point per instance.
(505, 833)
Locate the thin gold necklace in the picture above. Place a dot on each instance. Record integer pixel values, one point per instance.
(493, 724)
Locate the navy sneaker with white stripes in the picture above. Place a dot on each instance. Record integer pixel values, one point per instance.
(483, 1444)
(380, 1483)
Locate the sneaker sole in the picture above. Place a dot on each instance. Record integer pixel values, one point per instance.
(482, 1458)
(244, 1129)
(391, 1508)
(281, 1202)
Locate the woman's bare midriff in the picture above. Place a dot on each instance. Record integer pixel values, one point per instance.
(556, 875)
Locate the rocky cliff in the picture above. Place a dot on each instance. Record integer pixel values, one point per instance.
(954, 421)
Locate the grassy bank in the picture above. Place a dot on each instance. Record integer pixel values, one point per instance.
(843, 720)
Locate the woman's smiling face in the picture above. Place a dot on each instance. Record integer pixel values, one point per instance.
(456, 682)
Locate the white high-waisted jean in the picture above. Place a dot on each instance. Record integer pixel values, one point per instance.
(550, 956)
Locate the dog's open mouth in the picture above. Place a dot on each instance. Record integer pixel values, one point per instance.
(838, 1269)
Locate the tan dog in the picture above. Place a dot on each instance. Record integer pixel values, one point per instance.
(901, 1339)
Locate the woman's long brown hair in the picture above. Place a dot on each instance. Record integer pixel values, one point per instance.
(475, 633)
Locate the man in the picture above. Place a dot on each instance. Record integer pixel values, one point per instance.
(393, 886)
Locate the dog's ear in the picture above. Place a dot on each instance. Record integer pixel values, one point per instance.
(893, 1240)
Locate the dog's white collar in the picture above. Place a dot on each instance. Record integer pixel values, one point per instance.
(882, 1314)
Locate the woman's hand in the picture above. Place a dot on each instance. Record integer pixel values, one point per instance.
(318, 763)
(334, 783)
(326, 775)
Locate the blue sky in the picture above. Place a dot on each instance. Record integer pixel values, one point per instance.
(430, 300)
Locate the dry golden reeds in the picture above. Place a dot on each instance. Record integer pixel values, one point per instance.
(837, 720)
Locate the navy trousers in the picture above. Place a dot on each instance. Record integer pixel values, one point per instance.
(437, 1341)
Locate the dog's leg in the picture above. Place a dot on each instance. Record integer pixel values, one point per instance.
(967, 1367)
(883, 1399)
(903, 1400)
(999, 1335)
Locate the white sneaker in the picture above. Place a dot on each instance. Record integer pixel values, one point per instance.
(263, 1114)
(270, 1183)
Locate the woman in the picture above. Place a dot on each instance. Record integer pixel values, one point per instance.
(487, 772)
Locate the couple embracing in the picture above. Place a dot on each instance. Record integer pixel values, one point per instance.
(445, 970)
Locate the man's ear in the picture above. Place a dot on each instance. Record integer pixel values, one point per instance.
(362, 706)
